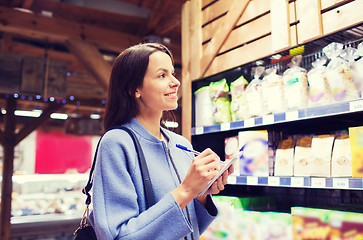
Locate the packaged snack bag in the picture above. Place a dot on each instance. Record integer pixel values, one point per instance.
(295, 85)
(319, 91)
(341, 165)
(302, 157)
(230, 149)
(218, 93)
(357, 70)
(338, 73)
(203, 107)
(239, 101)
(284, 158)
(321, 150)
(273, 92)
(253, 94)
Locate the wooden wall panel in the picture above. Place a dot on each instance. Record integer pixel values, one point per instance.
(32, 75)
(244, 54)
(215, 10)
(247, 33)
(329, 3)
(280, 24)
(310, 26)
(255, 8)
(342, 17)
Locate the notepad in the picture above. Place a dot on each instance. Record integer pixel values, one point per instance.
(225, 167)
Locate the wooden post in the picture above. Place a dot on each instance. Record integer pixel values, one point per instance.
(186, 81)
(8, 167)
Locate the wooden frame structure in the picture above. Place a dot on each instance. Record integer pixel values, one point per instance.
(224, 34)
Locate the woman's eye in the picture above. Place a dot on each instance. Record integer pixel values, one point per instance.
(162, 75)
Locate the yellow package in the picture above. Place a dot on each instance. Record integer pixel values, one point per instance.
(356, 148)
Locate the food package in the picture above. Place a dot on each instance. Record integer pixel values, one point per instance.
(356, 148)
(319, 91)
(338, 73)
(230, 149)
(284, 158)
(321, 150)
(357, 70)
(295, 85)
(239, 101)
(253, 94)
(302, 157)
(255, 159)
(273, 93)
(218, 93)
(203, 107)
(341, 165)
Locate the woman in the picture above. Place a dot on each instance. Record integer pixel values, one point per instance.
(142, 86)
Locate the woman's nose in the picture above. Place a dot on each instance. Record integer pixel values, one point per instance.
(174, 82)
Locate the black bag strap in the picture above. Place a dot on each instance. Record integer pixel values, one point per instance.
(144, 170)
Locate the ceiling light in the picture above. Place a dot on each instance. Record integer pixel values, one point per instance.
(95, 116)
(170, 124)
(23, 113)
(60, 116)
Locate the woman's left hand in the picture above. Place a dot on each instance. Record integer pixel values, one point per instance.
(219, 184)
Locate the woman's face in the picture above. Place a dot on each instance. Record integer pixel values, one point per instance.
(159, 89)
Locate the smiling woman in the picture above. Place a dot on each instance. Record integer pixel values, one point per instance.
(142, 87)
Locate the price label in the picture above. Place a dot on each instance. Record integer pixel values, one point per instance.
(225, 126)
(268, 119)
(297, 182)
(356, 106)
(199, 130)
(292, 115)
(232, 179)
(341, 183)
(318, 183)
(250, 122)
(273, 181)
(252, 180)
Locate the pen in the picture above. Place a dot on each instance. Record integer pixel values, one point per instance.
(187, 149)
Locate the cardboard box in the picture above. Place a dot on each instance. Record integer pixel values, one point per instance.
(356, 148)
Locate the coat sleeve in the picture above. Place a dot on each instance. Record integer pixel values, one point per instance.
(205, 214)
(118, 200)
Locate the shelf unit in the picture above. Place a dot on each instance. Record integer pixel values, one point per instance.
(326, 192)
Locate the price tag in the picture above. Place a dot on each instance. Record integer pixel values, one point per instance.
(232, 179)
(199, 130)
(292, 116)
(341, 183)
(225, 126)
(252, 180)
(318, 182)
(273, 181)
(250, 122)
(356, 106)
(297, 182)
(268, 119)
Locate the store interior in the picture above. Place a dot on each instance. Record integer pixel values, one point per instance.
(287, 72)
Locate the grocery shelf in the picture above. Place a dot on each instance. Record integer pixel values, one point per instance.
(289, 116)
(299, 182)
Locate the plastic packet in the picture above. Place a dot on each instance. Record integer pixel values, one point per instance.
(338, 73)
(357, 70)
(203, 107)
(273, 92)
(238, 101)
(319, 91)
(218, 92)
(253, 94)
(295, 85)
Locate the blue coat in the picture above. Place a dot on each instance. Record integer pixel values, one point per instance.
(119, 208)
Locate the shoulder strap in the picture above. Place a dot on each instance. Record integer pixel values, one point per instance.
(144, 170)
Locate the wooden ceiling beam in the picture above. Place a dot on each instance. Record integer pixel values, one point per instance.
(59, 30)
(156, 13)
(172, 20)
(92, 59)
(234, 13)
(45, 116)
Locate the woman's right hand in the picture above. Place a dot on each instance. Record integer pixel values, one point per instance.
(203, 168)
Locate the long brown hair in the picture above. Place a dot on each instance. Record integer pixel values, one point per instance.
(128, 72)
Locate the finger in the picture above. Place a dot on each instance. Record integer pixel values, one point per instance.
(208, 152)
(220, 183)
